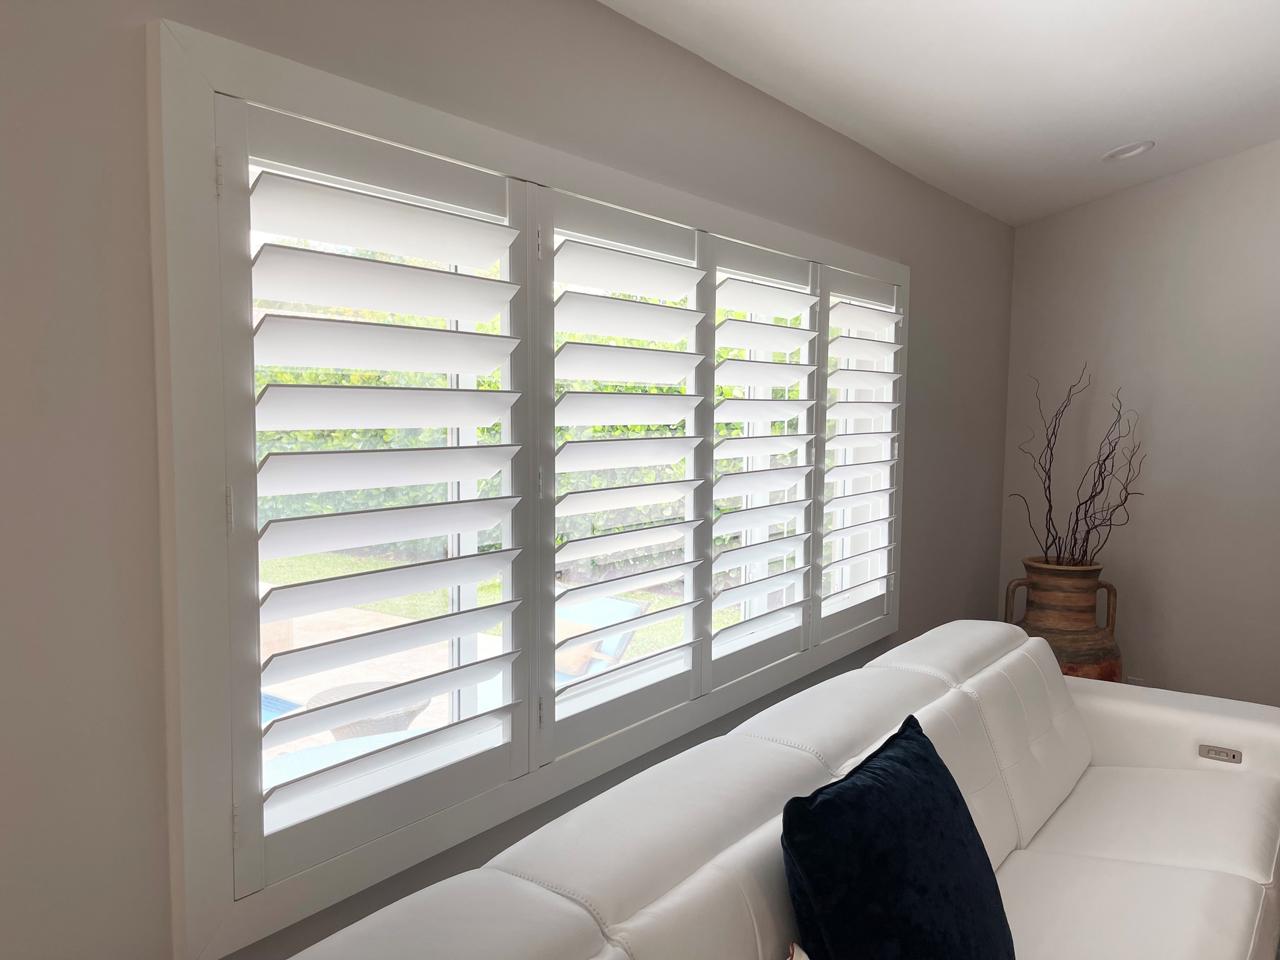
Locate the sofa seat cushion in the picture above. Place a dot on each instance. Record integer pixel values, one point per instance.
(1068, 907)
(1226, 821)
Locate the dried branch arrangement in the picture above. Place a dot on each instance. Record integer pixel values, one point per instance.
(1102, 495)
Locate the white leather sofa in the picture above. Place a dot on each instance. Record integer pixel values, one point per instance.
(1112, 838)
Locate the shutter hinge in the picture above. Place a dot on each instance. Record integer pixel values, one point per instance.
(538, 233)
(235, 826)
(541, 701)
(229, 502)
(217, 171)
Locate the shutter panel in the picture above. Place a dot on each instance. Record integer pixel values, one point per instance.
(763, 468)
(624, 473)
(861, 468)
(383, 349)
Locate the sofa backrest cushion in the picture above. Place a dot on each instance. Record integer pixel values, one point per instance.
(735, 907)
(626, 847)
(840, 719)
(955, 651)
(1039, 737)
(954, 723)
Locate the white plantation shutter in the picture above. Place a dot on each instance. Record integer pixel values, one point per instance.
(385, 357)
(861, 474)
(764, 415)
(625, 441)
(514, 474)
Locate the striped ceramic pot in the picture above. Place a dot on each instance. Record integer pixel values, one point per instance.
(1062, 607)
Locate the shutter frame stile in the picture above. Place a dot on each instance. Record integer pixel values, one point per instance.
(818, 280)
(249, 846)
(704, 463)
(541, 225)
(901, 309)
(523, 474)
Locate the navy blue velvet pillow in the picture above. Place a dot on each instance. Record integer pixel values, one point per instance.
(886, 863)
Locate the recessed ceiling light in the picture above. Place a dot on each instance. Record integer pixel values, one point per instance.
(1129, 150)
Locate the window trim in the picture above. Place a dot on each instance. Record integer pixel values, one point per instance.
(187, 69)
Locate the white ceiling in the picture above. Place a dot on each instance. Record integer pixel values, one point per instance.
(1007, 104)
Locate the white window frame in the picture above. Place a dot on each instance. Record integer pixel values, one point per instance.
(228, 888)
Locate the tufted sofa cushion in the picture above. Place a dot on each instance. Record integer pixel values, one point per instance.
(954, 723)
(1034, 729)
(1036, 732)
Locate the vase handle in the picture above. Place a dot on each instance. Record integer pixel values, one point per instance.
(1111, 603)
(1009, 594)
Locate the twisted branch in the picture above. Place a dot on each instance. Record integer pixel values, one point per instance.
(1104, 489)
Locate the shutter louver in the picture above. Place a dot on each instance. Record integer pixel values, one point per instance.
(860, 475)
(625, 439)
(383, 350)
(763, 414)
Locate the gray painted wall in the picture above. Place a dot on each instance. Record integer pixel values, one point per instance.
(83, 868)
(1171, 291)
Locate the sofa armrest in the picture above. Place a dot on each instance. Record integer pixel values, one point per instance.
(1132, 726)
